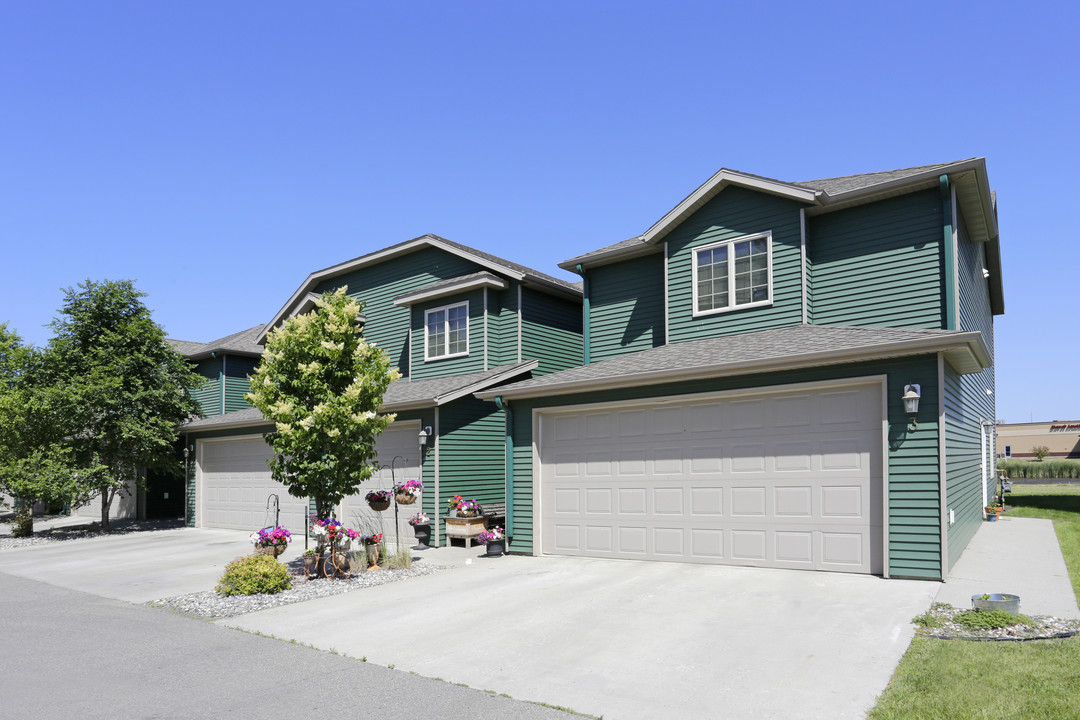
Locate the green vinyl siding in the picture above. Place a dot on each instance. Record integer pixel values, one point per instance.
(387, 325)
(503, 325)
(626, 306)
(966, 405)
(472, 454)
(189, 477)
(736, 212)
(458, 365)
(878, 264)
(550, 331)
(209, 395)
(913, 504)
(974, 312)
(237, 370)
(969, 400)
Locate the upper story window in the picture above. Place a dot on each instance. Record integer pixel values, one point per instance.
(733, 274)
(446, 331)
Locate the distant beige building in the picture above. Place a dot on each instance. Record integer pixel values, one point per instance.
(1061, 436)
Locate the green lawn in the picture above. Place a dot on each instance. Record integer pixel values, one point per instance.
(945, 679)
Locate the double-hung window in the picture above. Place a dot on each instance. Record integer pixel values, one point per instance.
(733, 274)
(446, 331)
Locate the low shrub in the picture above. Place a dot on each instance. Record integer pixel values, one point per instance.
(253, 575)
(1045, 470)
(980, 619)
(928, 620)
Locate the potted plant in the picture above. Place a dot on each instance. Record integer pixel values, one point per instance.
(421, 525)
(271, 541)
(309, 557)
(467, 508)
(452, 505)
(379, 500)
(407, 492)
(495, 540)
(330, 531)
(371, 544)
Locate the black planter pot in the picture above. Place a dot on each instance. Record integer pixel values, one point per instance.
(495, 548)
(423, 534)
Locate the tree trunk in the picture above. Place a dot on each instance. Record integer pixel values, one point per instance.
(106, 500)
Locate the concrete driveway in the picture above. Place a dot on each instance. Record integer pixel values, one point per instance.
(625, 639)
(615, 638)
(135, 567)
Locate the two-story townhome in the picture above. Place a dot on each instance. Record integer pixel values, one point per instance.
(747, 364)
(455, 321)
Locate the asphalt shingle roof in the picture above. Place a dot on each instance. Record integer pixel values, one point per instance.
(401, 392)
(185, 347)
(240, 343)
(741, 350)
(849, 183)
(832, 186)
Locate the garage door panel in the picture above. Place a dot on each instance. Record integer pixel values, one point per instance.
(235, 484)
(751, 481)
(398, 460)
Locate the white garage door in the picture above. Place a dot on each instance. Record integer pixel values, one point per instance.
(234, 484)
(398, 445)
(789, 480)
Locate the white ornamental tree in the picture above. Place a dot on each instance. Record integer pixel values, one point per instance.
(322, 385)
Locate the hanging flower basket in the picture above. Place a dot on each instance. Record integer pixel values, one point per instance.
(406, 493)
(271, 541)
(378, 500)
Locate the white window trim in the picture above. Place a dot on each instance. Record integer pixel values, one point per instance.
(446, 344)
(731, 274)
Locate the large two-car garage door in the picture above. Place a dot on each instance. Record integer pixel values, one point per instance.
(788, 479)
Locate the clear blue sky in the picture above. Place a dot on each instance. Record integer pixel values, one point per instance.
(216, 153)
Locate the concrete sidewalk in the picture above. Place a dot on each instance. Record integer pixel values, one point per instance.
(1020, 556)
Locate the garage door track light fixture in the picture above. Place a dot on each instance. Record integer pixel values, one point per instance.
(912, 393)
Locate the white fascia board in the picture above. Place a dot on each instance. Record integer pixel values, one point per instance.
(605, 258)
(416, 296)
(224, 426)
(714, 185)
(469, 389)
(956, 344)
(486, 382)
(371, 259)
(865, 193)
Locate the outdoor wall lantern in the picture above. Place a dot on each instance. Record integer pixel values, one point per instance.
(425, 433)
(911, 402)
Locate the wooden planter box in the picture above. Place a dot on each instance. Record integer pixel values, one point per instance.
(466, 529)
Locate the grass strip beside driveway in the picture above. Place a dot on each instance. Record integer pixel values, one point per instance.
(946, 679)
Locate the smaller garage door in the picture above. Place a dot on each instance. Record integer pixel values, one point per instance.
(234, 484)
(399, 447)
(787, 479)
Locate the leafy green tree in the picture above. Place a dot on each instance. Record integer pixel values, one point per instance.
(35, 462)
(1040, 452)
(321, 385)
(126, 389)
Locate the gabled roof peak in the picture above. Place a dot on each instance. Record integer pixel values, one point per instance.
(491, 262)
